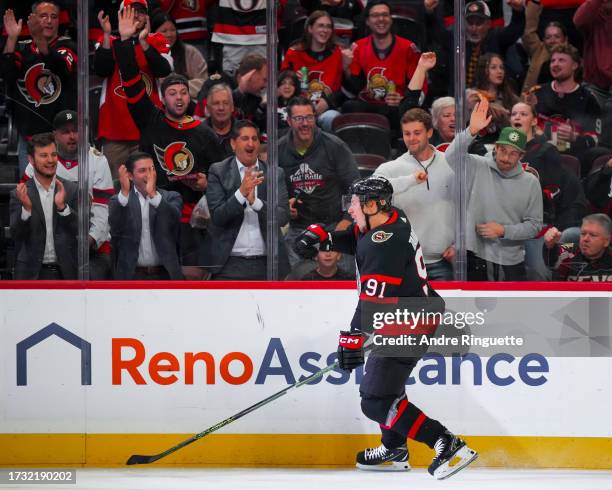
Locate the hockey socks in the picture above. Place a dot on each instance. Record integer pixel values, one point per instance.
(403, 418)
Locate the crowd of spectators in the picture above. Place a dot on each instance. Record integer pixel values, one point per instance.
(177, 158)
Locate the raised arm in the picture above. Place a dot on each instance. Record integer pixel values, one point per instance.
(531, 39)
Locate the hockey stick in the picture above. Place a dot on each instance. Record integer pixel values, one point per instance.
(139, 459)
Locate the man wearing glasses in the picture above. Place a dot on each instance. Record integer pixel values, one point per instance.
(319, 169)
(382, 68)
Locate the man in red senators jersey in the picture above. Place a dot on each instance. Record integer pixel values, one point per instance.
(183, 148)
(391, 275)
(40, 72)
(382, 67)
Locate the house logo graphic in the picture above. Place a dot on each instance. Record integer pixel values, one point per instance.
(43, 334)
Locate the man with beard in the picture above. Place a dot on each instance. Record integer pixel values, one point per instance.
(567, 112)
(481, 37)
(43, 218)
(183, 147)
(505, 202)
(319, 168)
(116, 129)
(100, 188)
(538, 49)
(40, 72)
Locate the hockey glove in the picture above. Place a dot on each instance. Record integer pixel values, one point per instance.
(305, 243)
(350, 350)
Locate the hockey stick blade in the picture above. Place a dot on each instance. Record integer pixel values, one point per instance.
(140, 459)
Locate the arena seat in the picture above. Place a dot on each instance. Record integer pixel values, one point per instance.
(599, 162)
(571, 163)
(368, 163)
(409, 28)
(364, 133)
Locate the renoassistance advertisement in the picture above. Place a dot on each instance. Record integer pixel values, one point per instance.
(91, 376)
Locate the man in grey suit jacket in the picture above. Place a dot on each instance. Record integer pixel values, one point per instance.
(144, 223)
(235, 246)
(43, 218)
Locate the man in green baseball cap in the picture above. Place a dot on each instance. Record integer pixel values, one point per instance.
(505, 202)
(509, 148)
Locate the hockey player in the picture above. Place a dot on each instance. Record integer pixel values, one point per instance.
(183, 148)
(391, 272)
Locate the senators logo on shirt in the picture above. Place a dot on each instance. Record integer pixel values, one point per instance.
(176, 159)
(316, 87)
(381, 236)
(40, 85)
(378, 84)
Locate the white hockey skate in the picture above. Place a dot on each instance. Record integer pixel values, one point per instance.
(382, 459)
(450, 449)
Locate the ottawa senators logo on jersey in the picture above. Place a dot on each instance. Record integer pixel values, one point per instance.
(40, 85)
(316, 88)
(244, 5)
(381, 236)
(175, 159)
(146, 79)
(377, 84)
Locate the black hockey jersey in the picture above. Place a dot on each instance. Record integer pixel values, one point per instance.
(390, 267)
(179, 150)
(569, 264)
(578, 108)
(41, 85)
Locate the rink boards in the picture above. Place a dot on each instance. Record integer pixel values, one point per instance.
(92, 375)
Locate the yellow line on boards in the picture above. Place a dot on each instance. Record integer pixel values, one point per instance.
(289, 450)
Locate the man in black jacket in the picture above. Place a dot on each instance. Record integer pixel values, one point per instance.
(235, 246)
(43, 218)
(144, 224)
(183, 148)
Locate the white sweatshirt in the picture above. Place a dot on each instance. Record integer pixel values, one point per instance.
(429, 206)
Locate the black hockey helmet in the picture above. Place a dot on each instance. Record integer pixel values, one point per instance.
(374, 187)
